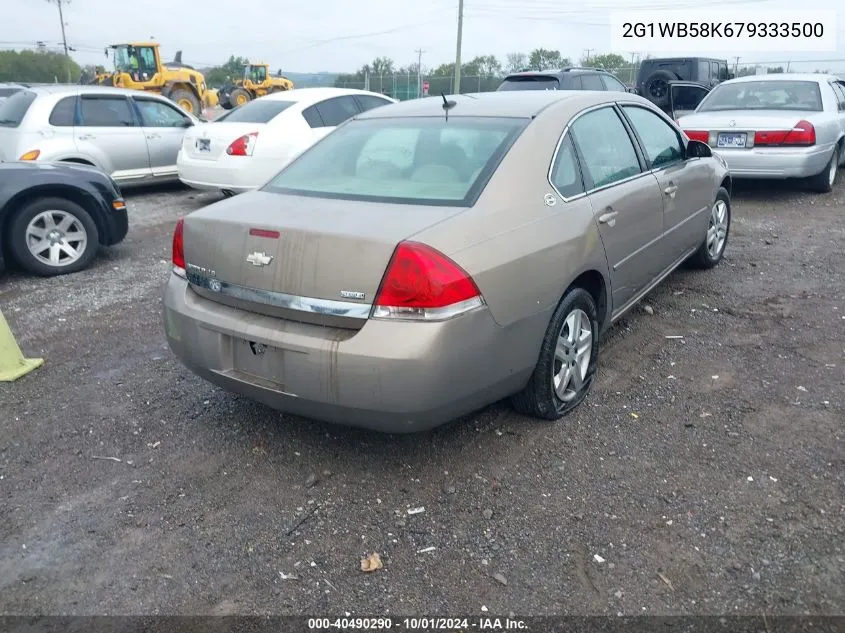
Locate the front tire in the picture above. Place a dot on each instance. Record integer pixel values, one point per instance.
(566, 368)
(716, 238)
(53, 236)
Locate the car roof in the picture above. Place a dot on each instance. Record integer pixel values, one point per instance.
(555, 72)
(817, 77)
(51, 89)
(318, 94)
(515, 104)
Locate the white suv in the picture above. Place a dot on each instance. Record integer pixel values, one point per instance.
(131, 135)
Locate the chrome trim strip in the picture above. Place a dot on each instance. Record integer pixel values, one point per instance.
(326, 307)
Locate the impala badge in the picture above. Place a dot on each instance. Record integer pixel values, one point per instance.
(352, 294)
(259, 259)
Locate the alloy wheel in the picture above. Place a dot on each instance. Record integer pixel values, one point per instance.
(573, 351)
(56, 238)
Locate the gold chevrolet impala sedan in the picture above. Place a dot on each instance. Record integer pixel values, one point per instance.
(430, 257)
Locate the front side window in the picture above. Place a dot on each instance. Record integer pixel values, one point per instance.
(661, 143)
(408, 161)
(764, 94)
(158, 114)
(607, 153)
(106, 112)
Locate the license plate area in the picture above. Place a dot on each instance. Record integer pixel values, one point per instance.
(735, 140)
(204, 145)
(259, 360)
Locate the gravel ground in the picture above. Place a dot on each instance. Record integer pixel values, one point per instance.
(704, 475)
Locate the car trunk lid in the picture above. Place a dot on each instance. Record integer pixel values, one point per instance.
(209, 141)
(315, 260)
(736, 125)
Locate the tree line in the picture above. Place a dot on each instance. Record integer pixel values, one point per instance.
(38, 67)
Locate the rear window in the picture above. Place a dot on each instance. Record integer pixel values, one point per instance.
(803, 96)
(530, 82)
(13, 109)
(258, 111)
(7, 92)
(406, 161)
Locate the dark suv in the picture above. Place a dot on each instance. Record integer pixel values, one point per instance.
(563, 79)
(654, 75)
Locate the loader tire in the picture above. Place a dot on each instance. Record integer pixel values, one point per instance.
(186, 100)
(239, 97)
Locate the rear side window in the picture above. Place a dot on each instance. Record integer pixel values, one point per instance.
(63, 112)
(530, 82)
(8, 92)
(592, 82)
(106, 112)
(258, 111)
(606, 151)
(312, 117)
(369, 102)
(336, 111)
(566, 174)
(13, 109)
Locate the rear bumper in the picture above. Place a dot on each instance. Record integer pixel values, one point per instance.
(396, 377)
(216, 175)
(776, 162)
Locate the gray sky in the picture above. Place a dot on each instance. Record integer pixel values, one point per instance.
(338, 35)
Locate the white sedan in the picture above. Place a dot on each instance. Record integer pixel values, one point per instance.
(247, 146)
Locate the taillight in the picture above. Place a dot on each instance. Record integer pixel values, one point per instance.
(243, 146)
(178, 257)
(697, 135)
(802, 134)
(423, 284)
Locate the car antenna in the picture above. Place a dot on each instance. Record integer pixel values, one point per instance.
(447, 105)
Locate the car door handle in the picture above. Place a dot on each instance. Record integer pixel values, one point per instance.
(608, 218)
(151, 136)
(86, 137)
(671, 190)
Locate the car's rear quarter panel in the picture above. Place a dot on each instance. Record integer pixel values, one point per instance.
(522, 253)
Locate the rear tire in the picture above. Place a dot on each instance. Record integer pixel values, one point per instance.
(68, 237)
(715, 240)
(186, 100)
(566, 367)
(825, 181)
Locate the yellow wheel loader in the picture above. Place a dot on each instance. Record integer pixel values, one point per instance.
(256, 82)
(138, 66)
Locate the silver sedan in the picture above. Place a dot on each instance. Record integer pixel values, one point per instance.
(775, 126)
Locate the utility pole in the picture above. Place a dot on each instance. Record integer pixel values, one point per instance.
(633, 68)
(457, 88)
(736, 65)
(588, 51)
(59, 3)
(419, 53)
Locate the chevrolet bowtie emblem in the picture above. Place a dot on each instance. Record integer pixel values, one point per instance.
(259, 259)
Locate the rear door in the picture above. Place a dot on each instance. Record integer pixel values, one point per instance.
(686, 185)
(626, 200)
(684, 97)
(164, 128)
(108, 130)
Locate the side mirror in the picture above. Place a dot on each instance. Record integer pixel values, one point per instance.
(632, 90)
(187, 123)
(697, 149)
